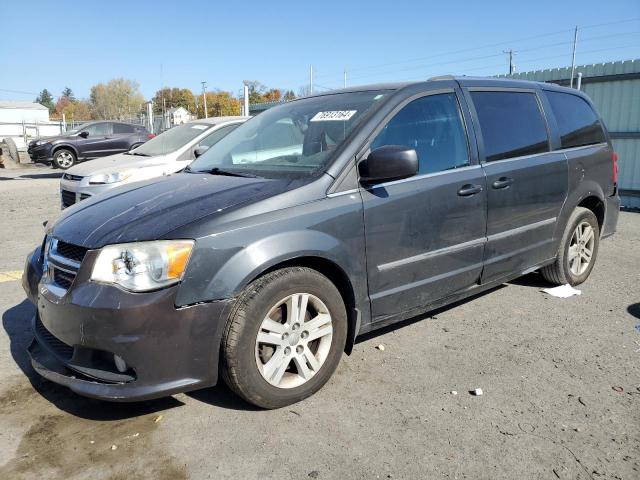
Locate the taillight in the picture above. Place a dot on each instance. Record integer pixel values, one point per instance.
(614, 161)
(151, 135)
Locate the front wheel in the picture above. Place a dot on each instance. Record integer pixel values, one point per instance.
(64, 159)
(578, 250)
(284, 338)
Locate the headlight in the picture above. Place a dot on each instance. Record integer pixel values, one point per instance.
(103, 178)
(41, 142)
(143, 266)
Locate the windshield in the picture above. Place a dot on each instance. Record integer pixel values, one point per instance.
(172, 139)
(295, 138)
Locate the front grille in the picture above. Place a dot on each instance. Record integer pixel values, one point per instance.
(75, 178)
(61, 349)
(62, 278)
(68, 198)
(72, 252)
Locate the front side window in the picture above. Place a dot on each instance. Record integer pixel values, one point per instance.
(294, 139)
(98, 129)
(215, 137)
(511, 124)
(431, 125)
(577, 122)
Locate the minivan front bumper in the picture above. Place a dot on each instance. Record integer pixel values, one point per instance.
(166, 349)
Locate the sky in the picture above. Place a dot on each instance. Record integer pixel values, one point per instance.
(182, 43)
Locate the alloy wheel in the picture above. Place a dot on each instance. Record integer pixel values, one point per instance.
(581, 248)
(65, 159)
(294, 340)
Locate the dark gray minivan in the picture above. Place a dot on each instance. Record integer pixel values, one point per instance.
(314, 222)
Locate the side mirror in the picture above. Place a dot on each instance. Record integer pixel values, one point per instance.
(83, 134)
(199, 151)
(391, 162)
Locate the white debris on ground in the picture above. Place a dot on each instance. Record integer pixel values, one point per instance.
(563, 291)
(380, 347)
(477, 392)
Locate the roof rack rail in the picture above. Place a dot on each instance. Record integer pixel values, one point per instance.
(442, 77)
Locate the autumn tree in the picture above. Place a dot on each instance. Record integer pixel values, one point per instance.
(174, 97)
(220, 104)
(118, 99)
(289, 95)
(272, 95)
(45, 99)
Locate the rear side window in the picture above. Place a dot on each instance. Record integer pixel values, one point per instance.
(578, 123)
(431, 125)
(122, 128)
(511, 124)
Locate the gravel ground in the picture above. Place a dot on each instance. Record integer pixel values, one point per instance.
(561, 382)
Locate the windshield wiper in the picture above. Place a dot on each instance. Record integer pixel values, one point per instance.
(139, 154)
(229, 173)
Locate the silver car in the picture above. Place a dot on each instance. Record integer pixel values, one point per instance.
(169, 152)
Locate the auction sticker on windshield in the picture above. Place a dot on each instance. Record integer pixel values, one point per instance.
(339, 115)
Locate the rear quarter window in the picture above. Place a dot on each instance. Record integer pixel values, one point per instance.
(578, 124)
(511, 124)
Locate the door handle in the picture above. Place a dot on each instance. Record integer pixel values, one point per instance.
(502, 182)
(469, 189)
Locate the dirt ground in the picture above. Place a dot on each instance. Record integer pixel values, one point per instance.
(561, 383)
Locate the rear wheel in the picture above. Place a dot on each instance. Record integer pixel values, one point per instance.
(578, 250)
(284, 338)
(64, 159)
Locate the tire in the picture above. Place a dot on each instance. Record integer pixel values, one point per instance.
(64, 159)
(582, 234)
(245, 356)
(135, 145)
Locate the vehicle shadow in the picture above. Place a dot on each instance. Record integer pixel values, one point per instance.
(533, 279)
(222, 396)
(424, 316)
(634, 309)
(36, 176)
(17, 323)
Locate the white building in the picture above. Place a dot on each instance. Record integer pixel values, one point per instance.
(13, 111)
(178, 116)
(24, 121)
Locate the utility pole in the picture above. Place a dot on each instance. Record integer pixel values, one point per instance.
(573, 56)
(204, 98)
(512, 67)
(245, 100)
(310, 79)
(345, 78)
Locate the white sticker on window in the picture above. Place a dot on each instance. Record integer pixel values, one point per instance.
(199, 127)
(336, 115)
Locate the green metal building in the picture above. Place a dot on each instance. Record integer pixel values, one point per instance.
(614, 88)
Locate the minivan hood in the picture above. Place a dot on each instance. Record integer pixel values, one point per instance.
(150, 209)
(116, 163)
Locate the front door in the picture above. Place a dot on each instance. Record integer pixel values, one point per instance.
(98, 141)
(425, 235)
(526, 182)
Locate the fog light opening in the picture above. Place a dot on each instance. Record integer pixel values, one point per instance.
(121, 365)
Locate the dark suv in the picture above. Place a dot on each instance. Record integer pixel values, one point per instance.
(91, 140)
(312, 223)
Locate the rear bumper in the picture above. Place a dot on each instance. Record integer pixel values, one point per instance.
(166, 349)
(611, 213)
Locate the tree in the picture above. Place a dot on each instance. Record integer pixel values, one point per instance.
(289, 95)
(174, 97)
(45, 99)
(68, 93)
(256, 90)
(118, 99)
(272, 95)
(220, 104)
(73, 111)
